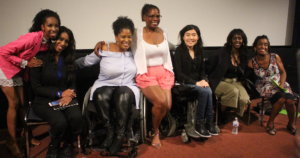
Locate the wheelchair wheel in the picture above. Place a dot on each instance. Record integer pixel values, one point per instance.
(168, 125)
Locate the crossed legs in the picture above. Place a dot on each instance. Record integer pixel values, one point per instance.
(161, 101)
(277, 106)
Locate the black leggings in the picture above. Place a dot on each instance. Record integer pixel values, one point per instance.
(115, 101)
(65, 124)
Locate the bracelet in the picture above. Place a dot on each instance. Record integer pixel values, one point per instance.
(58, 94)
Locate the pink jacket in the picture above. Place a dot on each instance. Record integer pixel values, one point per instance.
(25, 47)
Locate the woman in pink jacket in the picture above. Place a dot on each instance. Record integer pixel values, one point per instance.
(17, 55)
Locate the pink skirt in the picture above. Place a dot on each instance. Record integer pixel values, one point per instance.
(156, 75)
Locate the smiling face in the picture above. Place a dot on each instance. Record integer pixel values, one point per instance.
(262, 46)
(62, 42)
(123, 39)
(152, 18)
(190, 38)
(50, 28)
(237, 41)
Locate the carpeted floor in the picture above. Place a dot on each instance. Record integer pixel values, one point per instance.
(251, 142)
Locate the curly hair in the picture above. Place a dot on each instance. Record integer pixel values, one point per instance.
(198, 48)
(40, 18)
(146, 8)
(122, 23)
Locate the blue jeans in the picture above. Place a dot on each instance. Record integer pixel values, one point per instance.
(205, 105)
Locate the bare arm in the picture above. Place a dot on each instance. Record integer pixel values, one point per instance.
(281, 71)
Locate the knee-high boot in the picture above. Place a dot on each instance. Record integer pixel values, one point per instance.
(190, 124)
(118, 139)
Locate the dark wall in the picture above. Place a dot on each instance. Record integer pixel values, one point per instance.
(296, 32)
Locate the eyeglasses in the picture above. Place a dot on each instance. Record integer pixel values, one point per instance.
(154, 16)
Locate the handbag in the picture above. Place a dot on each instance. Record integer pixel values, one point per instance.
(250, 88)
(55, 104)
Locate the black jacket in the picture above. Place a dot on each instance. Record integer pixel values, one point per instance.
(44, 80)
(220, 64)
(188, 70)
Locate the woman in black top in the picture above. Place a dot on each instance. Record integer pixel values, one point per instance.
(228, 71)
(189, 70)
(54, 80)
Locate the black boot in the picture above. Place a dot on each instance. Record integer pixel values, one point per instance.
(212, 128)
(53, 148)
(66, 151)
(190, 125)
(118, 140)
(202, 129)
(109, 136)
(116, 145)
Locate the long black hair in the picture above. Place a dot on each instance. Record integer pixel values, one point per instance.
(198, 48)
(40, 18)
(243, 49)
(67, 54)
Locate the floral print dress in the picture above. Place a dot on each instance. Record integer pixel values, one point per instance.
(264, 84)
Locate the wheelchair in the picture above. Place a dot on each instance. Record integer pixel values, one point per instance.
(93, 131)
(183, 102)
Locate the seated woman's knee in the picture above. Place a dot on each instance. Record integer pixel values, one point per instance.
(125, 93)
(290, 102)
(234, 91)
(101, 95)
(59, 125)
(161, 102)
(281, 100)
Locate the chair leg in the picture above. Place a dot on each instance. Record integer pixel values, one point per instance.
(262, 112)
(217, 113)
(27, 141)
(249, 114)
(78, 144)
(296, 112)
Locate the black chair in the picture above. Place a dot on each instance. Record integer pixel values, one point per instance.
(219, 112)
(31, 119)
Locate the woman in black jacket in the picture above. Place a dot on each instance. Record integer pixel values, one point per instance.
(229, 66)
(55, 80)
(189, 70)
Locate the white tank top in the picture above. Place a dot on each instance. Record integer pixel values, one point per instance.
(155, 53)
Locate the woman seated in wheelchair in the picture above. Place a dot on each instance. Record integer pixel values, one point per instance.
(271, 82)
(55, 80)
(115, 93)
(189, 70)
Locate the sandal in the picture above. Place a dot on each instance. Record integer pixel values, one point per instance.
(271, 130)
(156, 145)
(291, 129)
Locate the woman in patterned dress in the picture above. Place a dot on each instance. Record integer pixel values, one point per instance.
(269, 69)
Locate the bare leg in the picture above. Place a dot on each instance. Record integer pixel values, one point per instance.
(160, 100)
(12, 98)
(290, 108)
(13, 101)
(275, 110)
